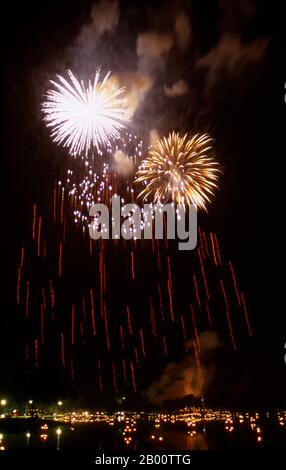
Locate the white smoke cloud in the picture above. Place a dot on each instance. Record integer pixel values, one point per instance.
(153, 136)
(179, 378)
(230, 57)
(137, 86)
(105, 16)
(179, 88)
(123, 165)
(183, 30)
(152, 49)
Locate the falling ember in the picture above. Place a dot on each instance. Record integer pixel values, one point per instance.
(203, 273)
(92, 312)
(133, 377)
(165, 346)
(195, 327)
(129, 320)
(209, 314)
(39, 235)
(34, 221)
(170, 300)
(132, 265)
(234, 283)
(213, 249)
(136, 357)
(124, 370)
(142, 343)
(122, 337)
(227, 314)
(246, 314)
(196, 289)
(22, 257)
(217, 249)
(27, 298)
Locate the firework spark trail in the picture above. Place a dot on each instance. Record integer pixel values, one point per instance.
(246, 314)
(195, 327)
(39, 235)
(170, 300)
(142, 343)
(60, 259)
(213, 249)
(92, 312)
(234, 283)
(133, 377)
(217, 250)
(22, 257)
(203, 273)
(27, 298)
(228, 314)
(152, 319)
(196, 290)
(165, 346)
(83, 117)
(122, 338)
(129, 320)
(34, 221)
(184, 332)
(124, 370)
(206, 243)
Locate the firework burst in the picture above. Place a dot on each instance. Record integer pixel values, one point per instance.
(179, 169)
(85, 117)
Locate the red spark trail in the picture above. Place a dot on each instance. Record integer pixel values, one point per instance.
(234, 283)
(195, 327)
(92, 312)
(227, 314)
(34, 221)
(133, 377)
(170, 300)
(142, 343)
(129, 320)
(203, 273)
(27, 299)
(196, 289)
(246, 314)
(213, 248)
(39, 235)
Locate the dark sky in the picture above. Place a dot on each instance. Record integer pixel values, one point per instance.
(236, 97)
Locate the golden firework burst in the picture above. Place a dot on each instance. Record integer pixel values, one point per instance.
(179, 169)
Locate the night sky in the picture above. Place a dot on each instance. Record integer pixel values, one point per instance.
(235, 94)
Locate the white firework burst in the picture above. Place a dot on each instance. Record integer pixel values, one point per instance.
(85, 117)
